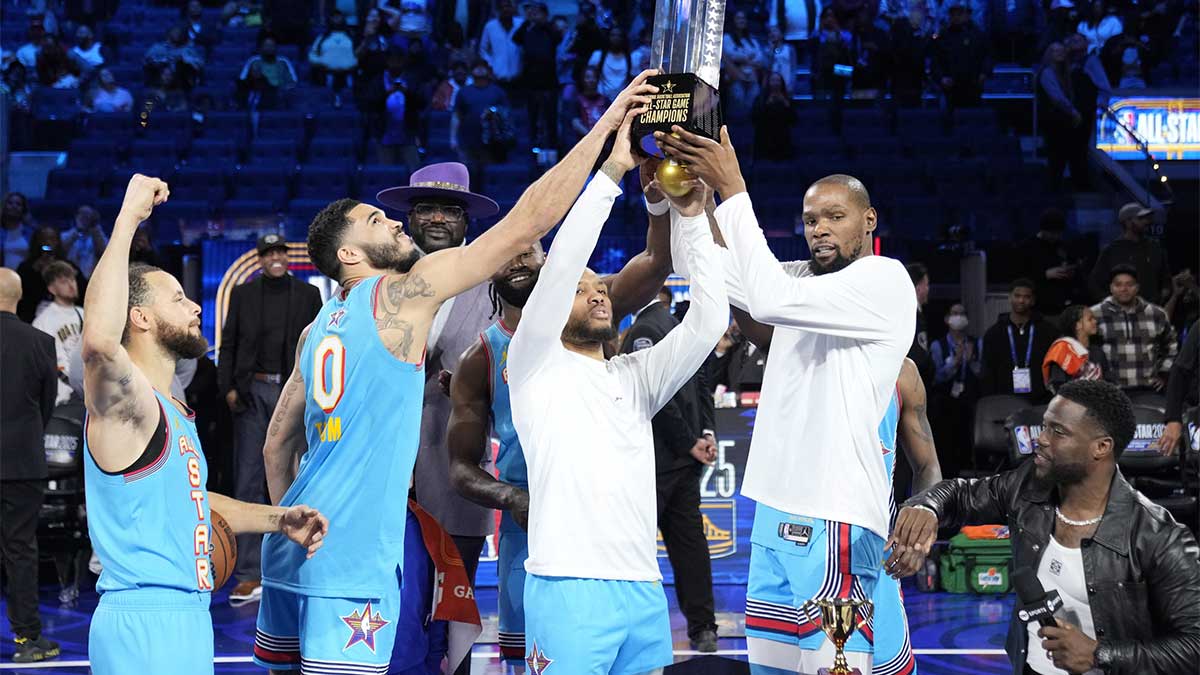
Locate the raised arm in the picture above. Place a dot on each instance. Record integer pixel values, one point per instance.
(122, 408)
(641, 278)
(669, 364)
(467, 439)
(286, 440)
(539, 209)
(915, 431)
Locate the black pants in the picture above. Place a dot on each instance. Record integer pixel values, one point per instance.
(543, 117)
(249, 474)
(470, 548)
(20, 502)
(683, 533)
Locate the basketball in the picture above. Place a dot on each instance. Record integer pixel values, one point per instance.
(222, 548)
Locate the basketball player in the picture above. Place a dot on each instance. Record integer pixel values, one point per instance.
(842, 324)
(905, 417)
(353, 406)
(148, 509)
(479, 390)
(594, 602)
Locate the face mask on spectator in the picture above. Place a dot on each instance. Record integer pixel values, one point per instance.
(958, 322)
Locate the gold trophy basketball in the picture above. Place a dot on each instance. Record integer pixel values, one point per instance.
(837, 620)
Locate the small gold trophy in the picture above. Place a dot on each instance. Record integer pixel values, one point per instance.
(838, 622)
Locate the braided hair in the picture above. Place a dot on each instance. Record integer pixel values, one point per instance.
(494, 296)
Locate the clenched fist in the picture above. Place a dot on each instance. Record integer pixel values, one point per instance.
(141, 196)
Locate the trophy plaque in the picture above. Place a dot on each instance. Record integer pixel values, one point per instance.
(686, 49)
(839, 623)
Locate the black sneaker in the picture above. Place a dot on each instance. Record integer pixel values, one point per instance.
(705, 641)
(32, 651)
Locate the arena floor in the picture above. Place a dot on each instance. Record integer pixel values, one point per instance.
(952, 634)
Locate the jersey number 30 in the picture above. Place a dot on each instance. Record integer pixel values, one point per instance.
(329, 369)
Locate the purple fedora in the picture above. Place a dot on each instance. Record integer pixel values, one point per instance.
(449, 180)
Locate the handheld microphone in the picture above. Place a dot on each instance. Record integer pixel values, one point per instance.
(1036, 603)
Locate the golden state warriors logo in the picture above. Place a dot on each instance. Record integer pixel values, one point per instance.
(719, 517)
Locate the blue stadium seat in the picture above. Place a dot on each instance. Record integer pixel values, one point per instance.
(339, 124)
(92, 152)
(230, 126)
(254, 213)
(148, 155)
(57, 212)
(376, 177)
(922, 123)
(78, 184)
(975, 122)
(506, 181)
(261, 184)
(55, 104)
(162, 125)
(212, 98)
(203, 183)
(328, 184)
(273, 153)
(212, 153)
(109, 126)
(340, 153)
(171, 218)
(439, 131)
(281, 126)
(300, 212)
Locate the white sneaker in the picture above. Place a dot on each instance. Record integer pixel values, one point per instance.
(245, 592)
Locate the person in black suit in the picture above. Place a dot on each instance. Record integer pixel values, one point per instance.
(684, 441)
(27, 393)
(258, 350)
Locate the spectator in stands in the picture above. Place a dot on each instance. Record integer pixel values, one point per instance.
(84, 239)
(962, 58)
(87, 54)
(398, 144)
(1101, 24)
(372, 56)
(466, 127)
(142, 248)
(266, 76)
(332, 56)
(27, 393)
(1061, 121)
(957, 359)
(27, 53)
(61, 319)
(1139, 340)
(640, 56)
(797, 20)
(919, 351)
(585, 39)
(287, 20)
(1087, 77)
(1184, 304)
(496, 46)
(165, 93)
(108, 97)
(1015, 27)
(1183, 389)
(538, 39)
(745, 366)
(742, 53)
(1076, 355)
(54, 68)
(446, 92)
(872, 56)
(266, 316)
(564, 58)
(15, 85)
(1061, 21)
(584, 109)
(17, 225)
(773, 120)
(174, 62)
(45, 247)
(1047, 258)
(1015, 347)
(1133, 247)
(780, 56)
(614, 64)
(200, 34)
(832, 58)
(910, 38)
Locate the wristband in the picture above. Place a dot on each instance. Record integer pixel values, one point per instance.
(657, 208)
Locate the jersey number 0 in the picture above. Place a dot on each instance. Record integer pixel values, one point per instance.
(329, 369)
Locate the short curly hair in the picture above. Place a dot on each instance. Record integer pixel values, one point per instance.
(325, 234)
(1108, 407)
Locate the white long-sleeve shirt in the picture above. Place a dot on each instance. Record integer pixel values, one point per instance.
(839, 341)
(585, 424)
(496, 46)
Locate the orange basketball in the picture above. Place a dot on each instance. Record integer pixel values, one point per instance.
(222, 548)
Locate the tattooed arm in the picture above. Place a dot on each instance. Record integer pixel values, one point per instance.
(285, 434)
(303, 525)
(122, 409)
(915, 431)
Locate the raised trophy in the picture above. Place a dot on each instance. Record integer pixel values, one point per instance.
(839, 623)
(686, 49)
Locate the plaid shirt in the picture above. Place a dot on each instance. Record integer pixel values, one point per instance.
(1139, 344)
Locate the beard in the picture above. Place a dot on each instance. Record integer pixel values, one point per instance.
(517, 297)
(840, 262)
(181, 342)
(383, 257)
(1061, 473)
(583, 331)
(422, 242)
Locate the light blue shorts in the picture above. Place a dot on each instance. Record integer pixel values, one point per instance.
(151, 630)
(514, 550)
(595, 626)
(893, 647)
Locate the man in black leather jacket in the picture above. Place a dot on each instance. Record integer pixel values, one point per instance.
(1140, 568)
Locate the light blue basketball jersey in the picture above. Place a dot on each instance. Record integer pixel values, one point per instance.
(510, 461)
(887, 441)
(362, 420)
(151, 527)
